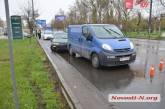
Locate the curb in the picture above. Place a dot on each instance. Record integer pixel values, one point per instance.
(71, 99)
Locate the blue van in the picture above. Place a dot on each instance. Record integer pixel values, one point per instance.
(103, 44)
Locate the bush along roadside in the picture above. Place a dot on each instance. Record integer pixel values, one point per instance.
(145, 35)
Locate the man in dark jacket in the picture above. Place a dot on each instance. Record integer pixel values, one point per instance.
(39, 34)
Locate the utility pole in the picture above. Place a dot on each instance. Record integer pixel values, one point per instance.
(33, 10)
(33, 18)
(15, 97)
(150, 19)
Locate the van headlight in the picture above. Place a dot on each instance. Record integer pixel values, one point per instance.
(131, 45)
(107, 47)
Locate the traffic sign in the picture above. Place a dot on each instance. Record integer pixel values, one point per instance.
(60, 18)
(41, 23)
(16, 24)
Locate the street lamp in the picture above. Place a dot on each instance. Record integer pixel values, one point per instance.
(150, 19)
(33, 10)
(33, 16)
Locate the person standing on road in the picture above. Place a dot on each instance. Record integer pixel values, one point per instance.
(39, 34)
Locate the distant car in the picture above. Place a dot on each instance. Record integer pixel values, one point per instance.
(59, 42)
(47, 35)
(26, 35)
(57, 32)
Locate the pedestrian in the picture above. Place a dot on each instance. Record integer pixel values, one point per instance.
(39, 34)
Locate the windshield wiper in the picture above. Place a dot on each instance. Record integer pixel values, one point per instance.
(114, 37)
(107, 29)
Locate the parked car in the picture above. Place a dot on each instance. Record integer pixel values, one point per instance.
(47, 35)
(27, 35)
(103, 44)
(59, 42)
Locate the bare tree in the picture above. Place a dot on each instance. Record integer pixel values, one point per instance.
(104, 11)
(92, 11)
(93, 7)
(72, 16)
(28, 16)
(83, 10)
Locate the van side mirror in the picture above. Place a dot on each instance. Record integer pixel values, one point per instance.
(89, 37)
(51, 40)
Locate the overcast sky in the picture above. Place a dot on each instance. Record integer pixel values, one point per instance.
(47, 8)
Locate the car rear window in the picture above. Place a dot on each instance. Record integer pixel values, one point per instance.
(75, 30)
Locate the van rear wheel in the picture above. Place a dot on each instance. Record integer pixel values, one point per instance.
(95, 61)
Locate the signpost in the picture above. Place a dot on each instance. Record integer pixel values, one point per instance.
(16, 24)
(15, 97)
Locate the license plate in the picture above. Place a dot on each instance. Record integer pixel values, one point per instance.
(124, 59)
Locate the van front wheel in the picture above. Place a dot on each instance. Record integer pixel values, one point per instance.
(71, 51)
(95, 61)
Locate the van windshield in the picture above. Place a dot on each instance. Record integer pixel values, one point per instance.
(107, 31)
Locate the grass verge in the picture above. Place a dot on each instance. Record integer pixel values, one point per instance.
(144, 35)
(35, 88)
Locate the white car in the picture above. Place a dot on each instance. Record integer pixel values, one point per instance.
(27, 35)
(48, 35)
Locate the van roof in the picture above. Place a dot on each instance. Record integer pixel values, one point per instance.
(88, 25)
(97, 24)
(74, 25)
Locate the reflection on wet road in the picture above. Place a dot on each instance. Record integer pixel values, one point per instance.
(132, 79)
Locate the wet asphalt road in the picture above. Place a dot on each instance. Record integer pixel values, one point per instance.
(132, 79)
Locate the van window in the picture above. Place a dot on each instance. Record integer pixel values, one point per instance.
(107, 31)
(75, 30)
(85, 31)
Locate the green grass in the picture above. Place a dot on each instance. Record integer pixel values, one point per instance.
(31, 75)
(144, 35)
